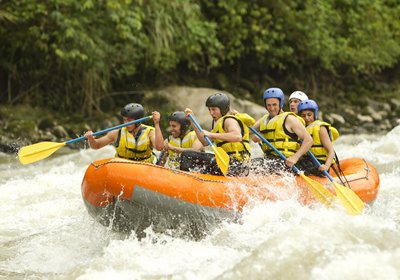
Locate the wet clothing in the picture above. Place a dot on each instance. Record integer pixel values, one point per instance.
(275, 132)
(185, 142)
(317, 148)
(206, 163)
(239, 151)
(271, 164)
(138, 147)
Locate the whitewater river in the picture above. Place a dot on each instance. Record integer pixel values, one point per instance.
(46, 232)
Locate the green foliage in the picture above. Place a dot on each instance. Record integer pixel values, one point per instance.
(67, 55)
(76, 49)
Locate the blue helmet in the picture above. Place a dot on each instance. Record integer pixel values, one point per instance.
(275, 93)
(308, 105)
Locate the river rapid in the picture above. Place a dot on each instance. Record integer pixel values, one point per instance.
(46, 232)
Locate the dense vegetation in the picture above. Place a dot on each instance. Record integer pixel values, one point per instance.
(69, 55)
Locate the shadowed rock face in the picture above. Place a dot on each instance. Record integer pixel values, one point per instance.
(23, 126)
(374, 116)
(195, 99)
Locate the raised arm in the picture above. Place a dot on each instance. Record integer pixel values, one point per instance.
(157, 139)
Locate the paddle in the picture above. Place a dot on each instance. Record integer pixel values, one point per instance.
(220, 154)
(319, 191)
(38, 151)
(353, 204)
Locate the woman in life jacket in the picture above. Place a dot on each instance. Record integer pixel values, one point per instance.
(135, 141)
(181, 139)
(323, 135)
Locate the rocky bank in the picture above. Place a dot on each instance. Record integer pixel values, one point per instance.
(24, 125)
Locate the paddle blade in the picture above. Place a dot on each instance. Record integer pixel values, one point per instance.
(222, 159)
(38, 151)
(318, 190)
(353, 204)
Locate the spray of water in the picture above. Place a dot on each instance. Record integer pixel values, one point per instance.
(46, 231)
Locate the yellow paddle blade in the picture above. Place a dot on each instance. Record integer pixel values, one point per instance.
(222, 159)
(353, 204)
(318, 190)
(38, 151)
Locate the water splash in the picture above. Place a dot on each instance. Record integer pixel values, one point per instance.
(46, 231)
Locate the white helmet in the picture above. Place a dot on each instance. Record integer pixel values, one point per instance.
(299, 95)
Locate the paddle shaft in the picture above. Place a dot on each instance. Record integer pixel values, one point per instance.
(319, 164)
(108, 129)
(272, 147)
(201, 130)
(351, 201)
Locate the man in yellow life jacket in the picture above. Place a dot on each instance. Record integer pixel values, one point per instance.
(323, 135)
(284, 130)
(133, 142)
(180, 140)
(230, 132)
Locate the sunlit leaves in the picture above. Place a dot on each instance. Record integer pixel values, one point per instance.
(84, 48)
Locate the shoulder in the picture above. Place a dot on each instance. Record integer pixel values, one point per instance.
(148, 127)
(291, 117)
(231, 121)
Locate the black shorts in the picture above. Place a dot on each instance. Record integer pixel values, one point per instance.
(206, 163)
(275, 165)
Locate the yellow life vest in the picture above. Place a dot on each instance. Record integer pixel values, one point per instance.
(317, 148)
(137, 148)
(246, 119)
(273, 130)
(237, 150)
(186, 142)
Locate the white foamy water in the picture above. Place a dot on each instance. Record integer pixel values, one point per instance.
(46, 232)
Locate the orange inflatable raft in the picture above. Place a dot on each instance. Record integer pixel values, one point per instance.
(129, 195)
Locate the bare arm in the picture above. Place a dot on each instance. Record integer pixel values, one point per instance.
(294, 125)
(232, 134)
(327, 143)
(156, 138)
(164, 154)
(99, 143)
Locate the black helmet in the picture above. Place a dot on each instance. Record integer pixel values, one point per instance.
(133, 110)
(219, 100)
(179, 117)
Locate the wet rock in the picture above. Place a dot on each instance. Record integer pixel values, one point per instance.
(114, 121)
(365, 119)
(59, 132)
(23, 128)
(46, 123)
(195, 98)
(45, 135)
(337, 118)
(395, 103)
